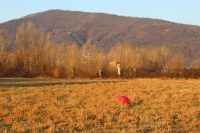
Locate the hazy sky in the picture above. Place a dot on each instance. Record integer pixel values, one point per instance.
(183, 11)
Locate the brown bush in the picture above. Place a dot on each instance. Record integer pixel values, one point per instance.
(55, 73)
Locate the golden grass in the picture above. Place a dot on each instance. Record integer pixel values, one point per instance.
(93, 106)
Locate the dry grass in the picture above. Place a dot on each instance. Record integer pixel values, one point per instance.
(92, 106)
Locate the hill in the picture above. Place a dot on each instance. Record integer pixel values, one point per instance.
(105, 30)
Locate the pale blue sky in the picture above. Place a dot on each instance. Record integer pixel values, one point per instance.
(182, 11)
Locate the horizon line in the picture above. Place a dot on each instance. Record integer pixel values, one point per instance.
(99, 12)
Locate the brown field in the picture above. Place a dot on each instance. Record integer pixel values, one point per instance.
(50, 105)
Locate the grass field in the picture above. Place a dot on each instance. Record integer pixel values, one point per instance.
(51, 105)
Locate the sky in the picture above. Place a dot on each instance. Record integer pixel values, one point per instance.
(181, 11)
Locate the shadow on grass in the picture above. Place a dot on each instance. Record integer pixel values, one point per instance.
(135, 106)
(28, 82)
(4, 80)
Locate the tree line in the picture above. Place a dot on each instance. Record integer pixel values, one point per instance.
(34, 55)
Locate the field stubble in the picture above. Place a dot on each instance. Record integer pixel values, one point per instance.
(93, 106)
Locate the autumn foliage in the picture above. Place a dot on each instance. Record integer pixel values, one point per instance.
(35, 55)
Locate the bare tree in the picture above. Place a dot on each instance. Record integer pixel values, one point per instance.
(3, 45)
(35, 50)
(27, 37)
(195, 64)
(177, 62)
(88, 60)
(3, 42)
(123, 55)
(158, 57)
(35, 54)
(72, 57)
(101, 61)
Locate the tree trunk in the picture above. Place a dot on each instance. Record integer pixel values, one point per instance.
(73, 72)
(100, 73)
(119, 70)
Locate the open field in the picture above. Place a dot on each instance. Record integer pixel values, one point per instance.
(51, 105)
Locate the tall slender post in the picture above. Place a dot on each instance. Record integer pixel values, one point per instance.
(118, 69)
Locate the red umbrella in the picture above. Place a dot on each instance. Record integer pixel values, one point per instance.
(124, 100)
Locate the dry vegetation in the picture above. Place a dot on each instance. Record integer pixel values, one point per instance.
(92, 105)
(35, 55)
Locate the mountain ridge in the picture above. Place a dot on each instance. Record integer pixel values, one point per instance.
(105, 30)
(53, 10)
